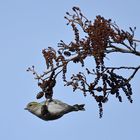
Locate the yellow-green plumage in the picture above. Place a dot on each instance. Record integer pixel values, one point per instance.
(52, 109)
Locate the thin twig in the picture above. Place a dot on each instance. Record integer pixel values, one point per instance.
(117, 49)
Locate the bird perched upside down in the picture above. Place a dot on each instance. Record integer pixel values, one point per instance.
(52, 109)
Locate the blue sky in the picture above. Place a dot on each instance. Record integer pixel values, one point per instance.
(28, 26)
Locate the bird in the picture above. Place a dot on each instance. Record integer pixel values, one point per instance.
(52, 109)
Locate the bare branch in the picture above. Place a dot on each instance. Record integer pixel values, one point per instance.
(113, 48)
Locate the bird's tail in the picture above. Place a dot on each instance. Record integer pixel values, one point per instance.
(77, 107)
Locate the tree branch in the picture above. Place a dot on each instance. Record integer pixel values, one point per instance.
(118, 49)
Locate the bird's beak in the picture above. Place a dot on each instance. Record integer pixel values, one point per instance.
(25, 108)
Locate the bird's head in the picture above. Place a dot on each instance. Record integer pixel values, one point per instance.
(32, 106)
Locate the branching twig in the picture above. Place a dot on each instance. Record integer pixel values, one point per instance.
(102, 37)
(113, 48)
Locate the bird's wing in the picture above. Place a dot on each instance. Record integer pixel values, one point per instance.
(56, 106)
(58, 102)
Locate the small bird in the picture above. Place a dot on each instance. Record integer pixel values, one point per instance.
(52, 109)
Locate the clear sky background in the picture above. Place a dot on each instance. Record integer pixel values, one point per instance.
(28, 26)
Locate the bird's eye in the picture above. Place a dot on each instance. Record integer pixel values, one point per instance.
(30, 105)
